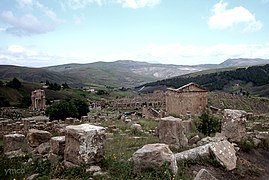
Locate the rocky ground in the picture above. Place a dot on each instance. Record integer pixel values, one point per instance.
(250, 165)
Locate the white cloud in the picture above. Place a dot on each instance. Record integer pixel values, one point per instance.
(31, 22)
(223, 18)
(166, 54)
(25, 25)
(191, 54)
(25, 3)
(134, 4)
(14, 49)
(27, 56)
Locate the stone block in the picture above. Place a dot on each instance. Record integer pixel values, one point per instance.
(203, 174)
(14, 142)
(36, 137)
(154, 156)
(57, 144)
(84, 144)
(172, 132)
(234, 125)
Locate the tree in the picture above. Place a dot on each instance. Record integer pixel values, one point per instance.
(65, 86)
(63, 109)
(4, 102)
(25, 101)
(208, 124)
(102, 92)
(82, 107)
(15, 83)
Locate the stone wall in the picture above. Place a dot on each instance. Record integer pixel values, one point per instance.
(187, 100)
(155, 100)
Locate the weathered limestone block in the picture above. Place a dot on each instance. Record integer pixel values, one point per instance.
(14, 142)
(57, 145)
(44, 148)
(84, 144)
(69, 120)
(154, 156)
(218, 137)
(234, 125)
(203, 174)
(84, 119)
(195, 153)
(194, 140)
(224, 152)
(36, 137)
(188, 126)
(171, 131)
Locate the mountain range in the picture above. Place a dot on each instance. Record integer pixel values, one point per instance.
(122, 73)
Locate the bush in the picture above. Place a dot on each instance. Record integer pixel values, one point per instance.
(246, 144)
(208, 124)
(64, 109)
(4, 102)
(102, 92)
(15, 84)
(25, 101)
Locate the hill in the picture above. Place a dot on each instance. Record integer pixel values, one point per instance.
(36, 75)
(252, 80)
(132, 73)
(123, 73)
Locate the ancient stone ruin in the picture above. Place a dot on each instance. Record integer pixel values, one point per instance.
(234, 124)
(84, 144)
(38, 100)
(172, 132)
(188, 99)
(154, 156)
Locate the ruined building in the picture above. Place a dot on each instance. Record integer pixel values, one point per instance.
(188, 99)
(155, 100)
(38, 100)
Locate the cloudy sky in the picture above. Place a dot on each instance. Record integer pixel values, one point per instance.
(40, 33)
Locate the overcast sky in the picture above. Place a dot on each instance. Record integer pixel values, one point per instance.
(40, 33)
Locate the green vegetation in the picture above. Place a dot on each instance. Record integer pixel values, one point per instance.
(246, 144)
(208, 124)
(15, 84)
(63, 109)
(258, 76)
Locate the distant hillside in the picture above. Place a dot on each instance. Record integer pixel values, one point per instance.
(250, 80)
(123, 73)
(132, 73)
(243, 62)
(8, 72)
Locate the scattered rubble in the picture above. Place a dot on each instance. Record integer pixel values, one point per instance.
(154, 156)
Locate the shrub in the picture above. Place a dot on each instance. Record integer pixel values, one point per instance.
(208, 124)
(15, 84)
(4, 102)
(246, 144)
(25, 101)
(64, 109)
